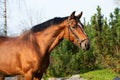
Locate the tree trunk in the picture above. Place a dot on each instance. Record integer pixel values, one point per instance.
(5, 17)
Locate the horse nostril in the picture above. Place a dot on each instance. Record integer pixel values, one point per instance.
(87, 45)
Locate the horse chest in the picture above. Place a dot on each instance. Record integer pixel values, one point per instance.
(44, 63)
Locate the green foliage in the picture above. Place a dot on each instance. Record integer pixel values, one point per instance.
(67, 59)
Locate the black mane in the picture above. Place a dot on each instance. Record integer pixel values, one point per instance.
(44, 25)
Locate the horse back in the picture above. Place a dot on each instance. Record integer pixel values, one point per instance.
(3, 38)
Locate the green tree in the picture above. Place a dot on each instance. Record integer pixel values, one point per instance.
(115, 32)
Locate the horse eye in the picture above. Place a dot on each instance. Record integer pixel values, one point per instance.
(74, 27)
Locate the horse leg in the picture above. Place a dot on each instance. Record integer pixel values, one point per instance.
(38, 77)
(2, 78)
(28, 76)
(20, 77)
(35, 78)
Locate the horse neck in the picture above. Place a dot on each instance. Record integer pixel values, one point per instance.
(50, 37)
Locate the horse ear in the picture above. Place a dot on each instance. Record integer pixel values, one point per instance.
(79, 15)
(72, 15)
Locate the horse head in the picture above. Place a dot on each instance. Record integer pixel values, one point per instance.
(74, 31)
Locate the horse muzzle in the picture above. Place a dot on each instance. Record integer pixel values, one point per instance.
(85, 44)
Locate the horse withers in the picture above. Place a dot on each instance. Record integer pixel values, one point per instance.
(28, 54)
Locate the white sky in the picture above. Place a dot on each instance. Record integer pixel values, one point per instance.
(26, 13)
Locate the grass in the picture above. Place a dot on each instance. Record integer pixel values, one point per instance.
(105, 74)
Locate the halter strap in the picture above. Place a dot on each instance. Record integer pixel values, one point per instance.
(70, 30)
(74, 35)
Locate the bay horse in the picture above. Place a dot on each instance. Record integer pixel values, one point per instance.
(28, 54)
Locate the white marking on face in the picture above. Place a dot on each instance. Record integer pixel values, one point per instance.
(81, 26)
